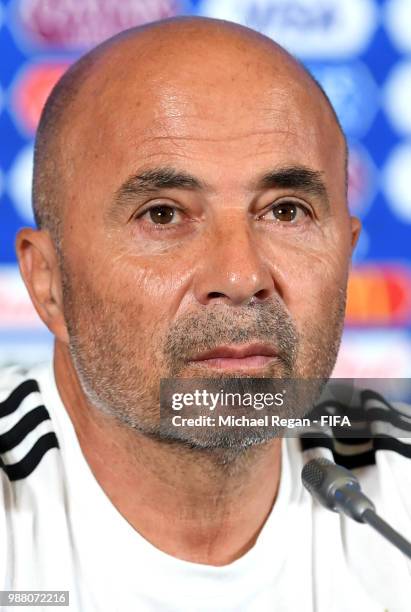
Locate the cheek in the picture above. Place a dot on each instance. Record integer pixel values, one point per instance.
(319, 303)
(314, 282)
(142, 294)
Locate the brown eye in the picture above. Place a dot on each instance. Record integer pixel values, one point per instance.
(285, 212)
(161, 214)
(289, 212)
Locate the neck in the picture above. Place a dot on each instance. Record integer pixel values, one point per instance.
(186, 502)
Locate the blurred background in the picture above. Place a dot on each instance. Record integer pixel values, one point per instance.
(360, 51)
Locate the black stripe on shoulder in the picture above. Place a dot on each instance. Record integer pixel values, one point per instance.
(15, 398)
(369, 394)
(355, 459)
(28, 464)
(20, 430)
(349, 461)
(384, 442)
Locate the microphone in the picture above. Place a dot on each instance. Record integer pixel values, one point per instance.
(339, 490)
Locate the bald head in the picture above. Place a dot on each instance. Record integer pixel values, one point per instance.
(148, 60)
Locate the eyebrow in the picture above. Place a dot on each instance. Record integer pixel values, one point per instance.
(296, 177)
(159, 178)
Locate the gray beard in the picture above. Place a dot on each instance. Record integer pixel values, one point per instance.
(108, 365)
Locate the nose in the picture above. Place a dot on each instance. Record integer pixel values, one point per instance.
(233, 269)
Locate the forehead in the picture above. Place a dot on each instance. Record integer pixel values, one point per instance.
(234, 113)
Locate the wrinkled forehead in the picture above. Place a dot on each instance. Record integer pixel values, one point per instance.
(139, 106)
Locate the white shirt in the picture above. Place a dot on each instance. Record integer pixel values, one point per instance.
(59, 531)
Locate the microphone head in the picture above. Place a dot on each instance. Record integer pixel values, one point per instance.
(313, 473)
(321, 477)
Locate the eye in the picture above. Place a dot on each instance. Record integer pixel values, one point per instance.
(288, 212)
(162, 214)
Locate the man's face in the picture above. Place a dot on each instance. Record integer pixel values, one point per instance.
(202, 210)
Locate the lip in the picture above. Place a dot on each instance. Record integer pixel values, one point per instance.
(237, 352)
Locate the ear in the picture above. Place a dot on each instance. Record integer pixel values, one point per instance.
(39, 268)
(355, 231)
